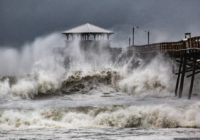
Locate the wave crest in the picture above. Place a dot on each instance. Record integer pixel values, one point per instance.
(78, 81)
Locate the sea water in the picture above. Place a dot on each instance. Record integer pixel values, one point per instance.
(90, 96)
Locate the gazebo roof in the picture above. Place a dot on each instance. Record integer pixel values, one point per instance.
(87, 29)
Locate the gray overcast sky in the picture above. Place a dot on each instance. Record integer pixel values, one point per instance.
(24, 20)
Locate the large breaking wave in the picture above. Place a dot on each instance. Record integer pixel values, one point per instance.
(50, 66)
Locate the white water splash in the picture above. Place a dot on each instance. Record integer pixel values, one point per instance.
(154, 116)
(156, 77)
(40, 68)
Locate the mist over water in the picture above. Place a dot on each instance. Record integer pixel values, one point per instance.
(51, 83)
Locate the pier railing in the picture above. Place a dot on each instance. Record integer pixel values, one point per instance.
(194, 42)
(171, 48)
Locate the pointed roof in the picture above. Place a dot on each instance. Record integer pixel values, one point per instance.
(87, 28)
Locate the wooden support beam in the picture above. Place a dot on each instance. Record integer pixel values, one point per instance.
(67, 37)
(178, 78)
(183, 73)
(196, 72)
(94, 36)
(188, 70)
(193, 76)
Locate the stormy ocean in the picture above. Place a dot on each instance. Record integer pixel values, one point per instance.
(53, 90)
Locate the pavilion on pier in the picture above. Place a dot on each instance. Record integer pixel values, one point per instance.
(87, 32)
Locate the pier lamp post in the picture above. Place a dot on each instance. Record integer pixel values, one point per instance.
(188, 36)
(129, 41)
(148, 36)
(133, 35)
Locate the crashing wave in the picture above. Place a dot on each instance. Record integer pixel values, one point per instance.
(139, 81)
(45, 84)
(155, 77)
(49, 66)
(155, 116)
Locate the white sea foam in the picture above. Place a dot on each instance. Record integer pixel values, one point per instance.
(155, 116)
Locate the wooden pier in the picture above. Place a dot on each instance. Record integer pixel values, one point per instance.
(189, 66)
(187, 55)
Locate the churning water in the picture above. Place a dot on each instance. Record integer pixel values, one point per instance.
(53, 90)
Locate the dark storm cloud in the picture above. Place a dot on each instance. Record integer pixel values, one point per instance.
(23, 20)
